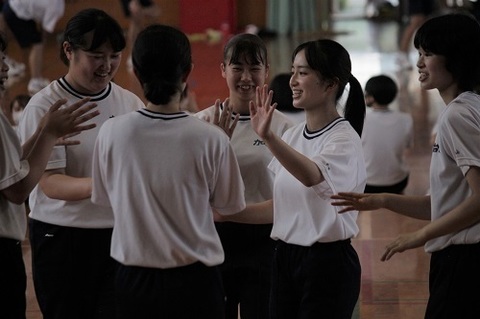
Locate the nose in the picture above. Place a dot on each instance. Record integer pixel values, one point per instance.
(246, 75)
(293, 80)
(5, 66)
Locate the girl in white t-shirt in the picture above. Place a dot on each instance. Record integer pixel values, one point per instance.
(20, 169)
(448, 47)
(162, 171)
(316, 271)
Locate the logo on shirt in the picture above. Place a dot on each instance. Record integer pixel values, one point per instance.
(258, 142)
(436, 148)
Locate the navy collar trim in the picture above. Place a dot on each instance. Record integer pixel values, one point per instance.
(162, 116)
(93, 97)
(311, 135)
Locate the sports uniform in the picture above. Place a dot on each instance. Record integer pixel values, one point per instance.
(71, 239)
(314, 247)
(456, 256)
(386, 134)
(162, 192)
(248, 248)
(13, 225)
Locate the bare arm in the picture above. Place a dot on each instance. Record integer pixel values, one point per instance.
(300, 166)
(259, 213)
(56, 123)
(55, 184)
(462, 216)
(412, 206)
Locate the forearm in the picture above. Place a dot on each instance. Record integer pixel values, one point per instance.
(259, 213)
(300, 166)
(63, 187)
(417, 207)
(37, 150)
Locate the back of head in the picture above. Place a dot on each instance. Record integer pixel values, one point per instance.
(457, 38)
(332, 62)
(162, 60)
(282, 93)
(382, 88)
(248, 46)
(91, 28)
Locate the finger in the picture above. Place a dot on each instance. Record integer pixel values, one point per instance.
(216, 113)
(81, 128)
(57, 105)
(251, 107)
(234, 124)
(70, 135)
(86, 117)
(258, 99)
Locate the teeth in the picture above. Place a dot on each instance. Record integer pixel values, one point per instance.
(245, 87)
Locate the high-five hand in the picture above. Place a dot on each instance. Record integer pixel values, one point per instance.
(261, 112)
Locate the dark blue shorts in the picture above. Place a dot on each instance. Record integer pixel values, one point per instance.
(25, 31)
(13, 279)
(425, 7)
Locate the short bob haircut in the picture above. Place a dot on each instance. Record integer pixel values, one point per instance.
(382, 88)
(457, 38)
(102, 27)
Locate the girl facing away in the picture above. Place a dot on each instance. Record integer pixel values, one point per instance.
(162, 190)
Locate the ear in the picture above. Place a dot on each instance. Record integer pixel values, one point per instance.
(222, 68)
(67, 49)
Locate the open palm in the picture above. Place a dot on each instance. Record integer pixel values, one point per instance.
(261, 112)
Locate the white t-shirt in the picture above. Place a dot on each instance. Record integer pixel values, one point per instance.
(385, 137)
(13, 220)
(456, 149)
(76, 160)
(304, 215)
(45, 12)
(252, 154)
(162, 174)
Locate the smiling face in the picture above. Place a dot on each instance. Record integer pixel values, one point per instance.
(90, 72)
(242, 79)
(433, 74)
(308, 89)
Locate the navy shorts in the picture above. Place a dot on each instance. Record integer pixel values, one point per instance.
(13, 279)
(143, 3)
(425, 7)
(25, 31)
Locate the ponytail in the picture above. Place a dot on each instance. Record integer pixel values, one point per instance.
(355, 106)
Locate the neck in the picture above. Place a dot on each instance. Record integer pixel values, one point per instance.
(172, 107)
(319, 118)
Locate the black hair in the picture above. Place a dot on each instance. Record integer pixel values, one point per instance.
(282, 93)
(3, 42)
(332, 62)
(382, 88)
(22, 99)
(103, 28)
(249, 46)
(457, 38)
(162, 58)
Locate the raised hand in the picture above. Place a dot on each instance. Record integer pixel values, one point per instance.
(357, 201)
(261, 112)
(224, 119)
(67, 121)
